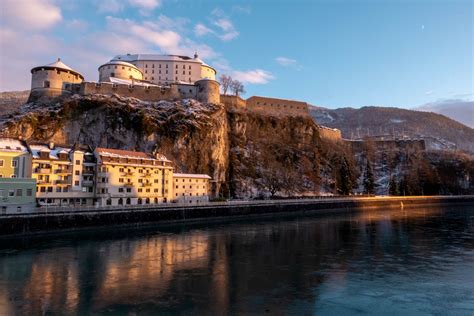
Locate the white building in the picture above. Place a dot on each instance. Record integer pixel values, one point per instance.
(157, 69)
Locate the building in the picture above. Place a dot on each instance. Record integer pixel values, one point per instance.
(157, 69)
(53, 80)
(191, 188)
(17, 195)
(132, 178)
(17, 189)
(148, 77)
(64, 174)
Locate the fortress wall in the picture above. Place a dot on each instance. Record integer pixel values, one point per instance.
(59, 81)
(332, 134)
(277, 106)
(208, 91)
(139, 92)
(233, 101)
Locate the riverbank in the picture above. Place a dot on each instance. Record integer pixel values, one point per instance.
(70, 219)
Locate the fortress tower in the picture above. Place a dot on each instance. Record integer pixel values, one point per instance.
(53, 80)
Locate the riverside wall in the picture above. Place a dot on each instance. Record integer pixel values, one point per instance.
(22, 224)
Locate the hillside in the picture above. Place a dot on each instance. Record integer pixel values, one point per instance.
(10, 101)
(355, 123)
(248, 155)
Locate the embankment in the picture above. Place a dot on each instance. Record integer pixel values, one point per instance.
(44, 222)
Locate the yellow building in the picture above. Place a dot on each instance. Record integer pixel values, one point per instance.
(17, 189)
(64, 175)
(191, 188)
(132, 178)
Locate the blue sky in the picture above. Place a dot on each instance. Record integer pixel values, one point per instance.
(328, 53)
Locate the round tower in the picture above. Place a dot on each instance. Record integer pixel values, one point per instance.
(120, 70)
(53, 80)
(208, 91)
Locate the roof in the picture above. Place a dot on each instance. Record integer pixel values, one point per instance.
(151, 57)
(59, 65)
(119, 62)
(53, 153)
(191, 175)
(122, 153)
(12, 145)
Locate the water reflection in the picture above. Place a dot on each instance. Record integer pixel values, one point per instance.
(402, 261)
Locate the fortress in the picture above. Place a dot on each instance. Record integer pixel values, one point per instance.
(148, 77)
(152, 77)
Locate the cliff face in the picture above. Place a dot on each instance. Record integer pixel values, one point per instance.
(248, 154)
(191, 134)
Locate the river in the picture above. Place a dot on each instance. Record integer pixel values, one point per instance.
(413, 261)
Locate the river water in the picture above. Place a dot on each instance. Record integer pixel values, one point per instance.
(412, 261)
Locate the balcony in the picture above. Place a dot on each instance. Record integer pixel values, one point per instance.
(88, 172)
(62, 171)
(146, 184)
(146, 174)
(87, 183)
(62, 182)
(42, 170)
(128, 173)
(43, 182)
(128, 184)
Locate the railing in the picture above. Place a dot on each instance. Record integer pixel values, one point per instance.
(87, 183)
(146, 184)
(67, 182)
(148, 174)
(58, 171)
(185, 204)
(42, 170)
(128, 174)
(43, 181)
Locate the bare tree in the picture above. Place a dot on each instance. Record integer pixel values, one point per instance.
(237, 88)
(226, 83)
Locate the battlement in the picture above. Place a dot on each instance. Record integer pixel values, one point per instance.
(331, 134)
(277, 106)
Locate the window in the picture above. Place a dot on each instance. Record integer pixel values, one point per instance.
(76, 183)
(77, 172)
(58, 189)
(46, 84)
(50, 189)
(121, 169)
(78, 162)
(13, 176)
(11, 193)
(140, 190)
(120, 190)
(29, 192)
(129, 190)
(121, 180)
(14, 163)
(1, 162)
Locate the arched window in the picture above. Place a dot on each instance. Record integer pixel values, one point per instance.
(147, 201)
(109, 201)
(156, 200)
(129, 201)
(139, 201)
(120, 201)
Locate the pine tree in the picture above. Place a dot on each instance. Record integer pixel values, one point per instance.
(369, 183)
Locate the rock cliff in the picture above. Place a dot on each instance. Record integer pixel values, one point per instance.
(248, 154)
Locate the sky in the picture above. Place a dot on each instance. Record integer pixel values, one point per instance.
(340, 53)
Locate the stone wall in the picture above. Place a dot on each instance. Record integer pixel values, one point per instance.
(233, 101)
(331, 134)
(275, 106)
(208, 91)
(140, 92)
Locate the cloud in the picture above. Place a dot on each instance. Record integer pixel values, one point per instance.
(31, 15)
(430, 92)
(241, 9)
(109, 6)
(288, 62)
(78, 25)
(201, 30)
(256, 76)
(284, 61)
(145, 4)
(229, 31)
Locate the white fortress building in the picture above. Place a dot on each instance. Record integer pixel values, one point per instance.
(149, 77)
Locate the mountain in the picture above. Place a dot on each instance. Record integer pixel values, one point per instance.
(459, 110)
(373, 121)
(10, 101)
